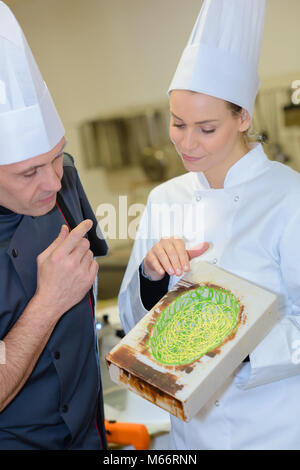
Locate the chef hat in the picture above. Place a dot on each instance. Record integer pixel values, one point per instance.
(222, 54)
(29, 123)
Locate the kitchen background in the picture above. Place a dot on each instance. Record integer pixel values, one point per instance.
(108, 64)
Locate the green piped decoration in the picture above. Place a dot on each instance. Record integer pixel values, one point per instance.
(195, 323)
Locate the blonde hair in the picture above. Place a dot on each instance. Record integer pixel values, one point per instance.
(250, 135)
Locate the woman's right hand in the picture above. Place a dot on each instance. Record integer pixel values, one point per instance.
(170, 256)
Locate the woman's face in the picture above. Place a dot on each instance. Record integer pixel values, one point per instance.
(205, 133)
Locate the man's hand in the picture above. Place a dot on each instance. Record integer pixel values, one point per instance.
(170, 255)
(66, 270)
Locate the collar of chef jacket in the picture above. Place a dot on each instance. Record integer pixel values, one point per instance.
(248, 167)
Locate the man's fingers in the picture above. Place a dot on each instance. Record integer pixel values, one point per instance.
(75, 236)
(64, 231)
(198, 250)
(94, 267)
(82, 248)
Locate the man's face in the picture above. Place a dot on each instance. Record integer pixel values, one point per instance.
(30, 187)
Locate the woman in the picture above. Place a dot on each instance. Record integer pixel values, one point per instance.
(249, 211)
(211, 148)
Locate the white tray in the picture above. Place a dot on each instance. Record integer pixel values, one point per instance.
(140, 360)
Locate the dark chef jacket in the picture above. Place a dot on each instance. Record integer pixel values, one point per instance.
(60, 405)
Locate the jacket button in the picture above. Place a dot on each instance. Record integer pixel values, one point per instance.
(57, 355)
(14, 252)
(236, 199)
(65, 408)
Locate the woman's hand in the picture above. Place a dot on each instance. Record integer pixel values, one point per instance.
(170, 255)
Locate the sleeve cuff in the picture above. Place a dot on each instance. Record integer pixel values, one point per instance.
(152, 291)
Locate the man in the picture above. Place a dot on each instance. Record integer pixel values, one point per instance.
(50, 386)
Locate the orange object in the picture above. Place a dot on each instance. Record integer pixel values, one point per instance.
(127, 434)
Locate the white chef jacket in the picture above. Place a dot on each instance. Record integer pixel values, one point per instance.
(253, 226)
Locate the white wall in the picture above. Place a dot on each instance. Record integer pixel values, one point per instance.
(99, 56)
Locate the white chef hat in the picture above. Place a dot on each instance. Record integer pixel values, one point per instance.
(222, 54)
(29, 122)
